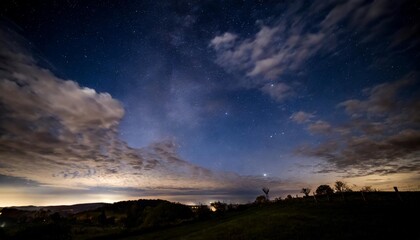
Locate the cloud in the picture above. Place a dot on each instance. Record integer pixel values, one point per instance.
(270, 53)
(223, 41)
(382, 98)
(56, 133)
(301, 117)
(319, 127)
(381, 135)
(275, 50)
(283, 45)
(277, 91)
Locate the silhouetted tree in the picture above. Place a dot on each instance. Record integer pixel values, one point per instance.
(306, 191)
(260, 199)
(324, 190)
(341, 187)
(266, 190)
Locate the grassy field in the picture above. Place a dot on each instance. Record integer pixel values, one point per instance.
(302, 221)
(381, 216)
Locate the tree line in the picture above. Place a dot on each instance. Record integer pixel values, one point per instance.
(325, 190)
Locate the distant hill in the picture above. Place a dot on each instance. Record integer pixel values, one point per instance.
(76, 208)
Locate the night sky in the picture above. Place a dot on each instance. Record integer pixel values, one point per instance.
(197, 101)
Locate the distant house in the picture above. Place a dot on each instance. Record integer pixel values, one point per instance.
(196, 208)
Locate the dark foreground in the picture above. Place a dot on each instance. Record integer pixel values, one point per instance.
(302, 221)
(299, 218)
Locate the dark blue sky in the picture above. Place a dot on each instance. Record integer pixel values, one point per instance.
(299, 91)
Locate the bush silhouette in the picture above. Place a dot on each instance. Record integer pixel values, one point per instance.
(306, 191)
(324, 190)
(260, 199)
(203, 212)
(167, 213)
(219, 206)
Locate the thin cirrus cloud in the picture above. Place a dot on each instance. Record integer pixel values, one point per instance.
(284, 45)
(381, 135)
(301, 117)
(57, 133)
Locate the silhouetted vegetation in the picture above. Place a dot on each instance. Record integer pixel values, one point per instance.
(219, 207)
(141, 214)
(324, 190)
(368, 189)
(340, 187)
(266, 190)
(306, 191)
(366, 214)
(167, 213)
(202, 212)
(260, 199)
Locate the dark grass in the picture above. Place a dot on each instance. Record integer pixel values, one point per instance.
(303, 221)
(347, 216)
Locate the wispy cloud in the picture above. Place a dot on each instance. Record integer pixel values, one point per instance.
(319, 127)
(277, 91)
(301, 117)
(381, 135)
(224, 41)
(283, 46)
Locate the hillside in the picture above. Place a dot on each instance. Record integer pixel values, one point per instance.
(64, 209)
(379, 215)
(302, 221)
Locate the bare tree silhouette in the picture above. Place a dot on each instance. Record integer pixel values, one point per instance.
(306, 191)
(340, 187)
(266, 190)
